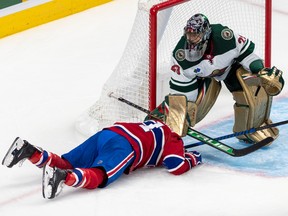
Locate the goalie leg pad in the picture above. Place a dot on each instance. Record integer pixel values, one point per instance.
(252, 109)
(175, 108)
(192, 111)
(207, 97)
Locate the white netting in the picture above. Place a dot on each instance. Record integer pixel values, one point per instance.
(130, 78)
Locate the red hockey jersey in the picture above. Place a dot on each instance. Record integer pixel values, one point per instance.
(155, 144)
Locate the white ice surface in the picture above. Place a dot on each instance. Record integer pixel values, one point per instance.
(52, 73)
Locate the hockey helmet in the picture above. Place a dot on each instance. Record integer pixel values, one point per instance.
(197, 31)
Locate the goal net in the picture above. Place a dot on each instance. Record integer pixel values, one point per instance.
(142, 74)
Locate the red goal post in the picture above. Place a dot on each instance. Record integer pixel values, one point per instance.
(142, 74)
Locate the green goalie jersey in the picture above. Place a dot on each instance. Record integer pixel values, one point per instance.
(223, 49)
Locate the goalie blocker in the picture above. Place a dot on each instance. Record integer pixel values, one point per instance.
(252, 104)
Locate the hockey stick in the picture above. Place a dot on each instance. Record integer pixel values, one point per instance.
(251, 130)
(226, 148)
(206, 139)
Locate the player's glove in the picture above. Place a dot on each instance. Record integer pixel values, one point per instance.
(194, 157)
(272, 80)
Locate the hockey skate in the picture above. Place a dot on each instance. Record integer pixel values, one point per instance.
(18, 152)
(52, 182)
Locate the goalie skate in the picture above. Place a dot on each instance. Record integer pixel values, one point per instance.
(52, 182)
(18, 152)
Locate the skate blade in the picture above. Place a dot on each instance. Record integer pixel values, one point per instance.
(48, 173)
(17, 144)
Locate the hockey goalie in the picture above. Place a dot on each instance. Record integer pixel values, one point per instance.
(206, 55)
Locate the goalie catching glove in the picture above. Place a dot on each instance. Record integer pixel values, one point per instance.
(272, 80)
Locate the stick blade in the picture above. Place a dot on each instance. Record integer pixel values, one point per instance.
(253, 147)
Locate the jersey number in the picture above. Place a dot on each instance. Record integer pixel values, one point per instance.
(241, 39)
(150, 127)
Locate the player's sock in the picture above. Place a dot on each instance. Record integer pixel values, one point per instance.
(53, 160)
(89, 178)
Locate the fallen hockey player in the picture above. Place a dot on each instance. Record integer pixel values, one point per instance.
(105, 156)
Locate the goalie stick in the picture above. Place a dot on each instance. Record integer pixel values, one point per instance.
(225, 148)
(206, 139)
(251, 130)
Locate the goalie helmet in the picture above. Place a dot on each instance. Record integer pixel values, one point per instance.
(197, 31)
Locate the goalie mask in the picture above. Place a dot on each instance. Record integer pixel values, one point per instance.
(197, 32)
